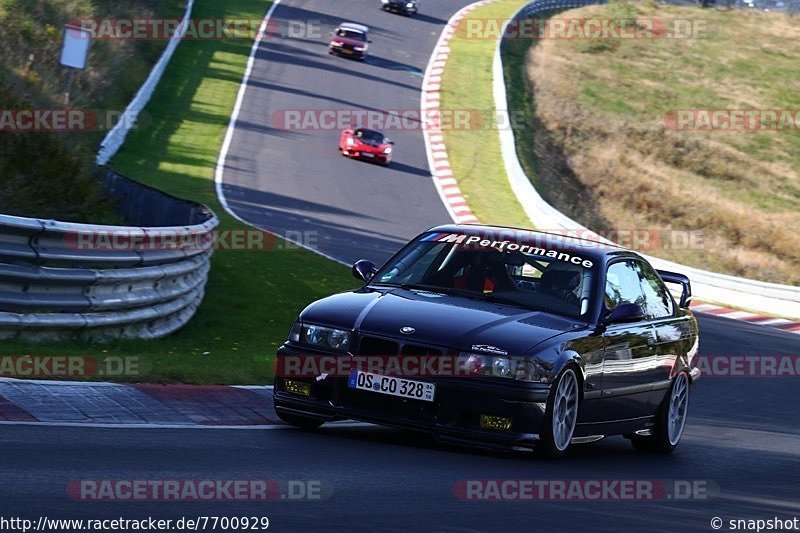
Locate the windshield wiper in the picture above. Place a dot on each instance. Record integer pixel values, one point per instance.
(415, 286)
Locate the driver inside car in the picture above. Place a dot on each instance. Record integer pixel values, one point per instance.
(486, 272)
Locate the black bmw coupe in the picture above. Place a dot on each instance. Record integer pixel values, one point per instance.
(502, 338)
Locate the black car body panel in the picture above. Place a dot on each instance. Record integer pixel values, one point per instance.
(625, 369)
(404, 7)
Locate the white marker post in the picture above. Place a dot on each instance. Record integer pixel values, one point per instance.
(75, 52)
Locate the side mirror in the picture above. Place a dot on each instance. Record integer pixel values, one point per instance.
(364, 270)
(624, 313)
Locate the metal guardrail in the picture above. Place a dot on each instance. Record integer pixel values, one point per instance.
(770, 298)
(59, 279)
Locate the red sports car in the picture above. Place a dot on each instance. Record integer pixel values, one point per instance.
(366, 144)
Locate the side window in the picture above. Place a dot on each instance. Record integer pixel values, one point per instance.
(623, 285)
(636, 282)
(658, 301)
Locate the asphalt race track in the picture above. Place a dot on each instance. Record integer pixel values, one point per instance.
(742, 436)
(292, 181)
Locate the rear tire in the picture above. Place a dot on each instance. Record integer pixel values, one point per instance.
(670, 419)
(561, 415)
(305, 422)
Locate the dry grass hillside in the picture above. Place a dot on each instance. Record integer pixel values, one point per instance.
(600, 149)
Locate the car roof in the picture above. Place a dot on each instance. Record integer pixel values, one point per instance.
(594, 249)
(354, 26)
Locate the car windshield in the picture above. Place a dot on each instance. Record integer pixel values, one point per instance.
(370, 136)
(522, 273)
(351, 34)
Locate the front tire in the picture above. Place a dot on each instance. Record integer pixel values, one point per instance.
(670, 420)
(305, 422)
(561, 415)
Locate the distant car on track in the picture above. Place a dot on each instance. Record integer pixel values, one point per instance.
(406, 7)
(367, 144)
(545, 342)
(350, 40)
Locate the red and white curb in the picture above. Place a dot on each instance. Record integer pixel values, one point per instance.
(438, 161)
(784, 324)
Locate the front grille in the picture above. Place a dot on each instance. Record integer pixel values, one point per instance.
(415, 349)
(377, 346)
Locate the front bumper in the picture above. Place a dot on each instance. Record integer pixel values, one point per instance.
(347, 52)
(453, 416)
(381, 158)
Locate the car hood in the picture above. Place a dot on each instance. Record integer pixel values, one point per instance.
(447, 321)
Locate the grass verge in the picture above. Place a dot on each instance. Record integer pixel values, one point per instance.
(474, 153)
(252, 297)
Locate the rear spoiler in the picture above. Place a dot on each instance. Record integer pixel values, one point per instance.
(683, 281)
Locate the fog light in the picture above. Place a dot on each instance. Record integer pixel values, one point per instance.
(297, 387)
(496, 423)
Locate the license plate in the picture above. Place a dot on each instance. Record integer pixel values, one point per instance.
(346, 51)
(404, 388)
(367, 154)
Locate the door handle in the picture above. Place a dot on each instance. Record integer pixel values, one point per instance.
(651, 343)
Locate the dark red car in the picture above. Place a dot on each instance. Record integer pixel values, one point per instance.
(368, 144)
(350, 40)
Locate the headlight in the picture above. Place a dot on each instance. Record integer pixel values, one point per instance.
(336, 43)
(339, 339)
(359, 48)
(350, 141)
(387, 150)
(519, 368)
(409, 5)
(322, 337)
